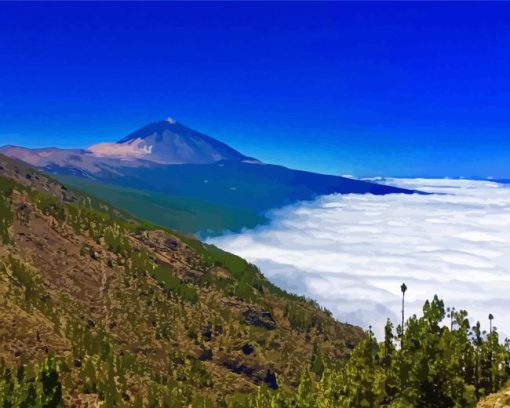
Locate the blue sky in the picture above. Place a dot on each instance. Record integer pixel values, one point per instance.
(396, 89)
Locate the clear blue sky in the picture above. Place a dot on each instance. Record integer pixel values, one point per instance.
(343, 88)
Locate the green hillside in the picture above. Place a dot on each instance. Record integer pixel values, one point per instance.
(98, 309)
(210, 198)
(180, 213)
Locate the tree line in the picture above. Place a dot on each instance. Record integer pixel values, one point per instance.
(422, 363)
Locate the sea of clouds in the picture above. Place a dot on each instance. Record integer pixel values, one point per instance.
(352, 252)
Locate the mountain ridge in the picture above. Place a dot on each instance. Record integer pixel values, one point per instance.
(161, 142)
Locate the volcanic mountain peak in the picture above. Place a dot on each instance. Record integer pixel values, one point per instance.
(163, 142)
(168, 142)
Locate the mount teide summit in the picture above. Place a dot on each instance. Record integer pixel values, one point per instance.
(169, 142)
(161, 142)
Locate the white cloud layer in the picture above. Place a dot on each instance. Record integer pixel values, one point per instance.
(352, 252)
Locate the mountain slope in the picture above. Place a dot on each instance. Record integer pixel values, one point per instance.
(108, 309)
(258, 187)
(78, 161)
(185, 214)
(245, 191)
(211, 174)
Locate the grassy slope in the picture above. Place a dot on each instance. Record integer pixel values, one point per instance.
(180, 213)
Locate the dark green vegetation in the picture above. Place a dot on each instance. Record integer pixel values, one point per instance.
(255, 188)
(429, 366)
(99, 309)
(180, 213)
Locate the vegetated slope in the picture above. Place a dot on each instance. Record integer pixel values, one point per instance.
(242, 188)
(256, 187)
(96, 307)
(188, 215)
(164, 142)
